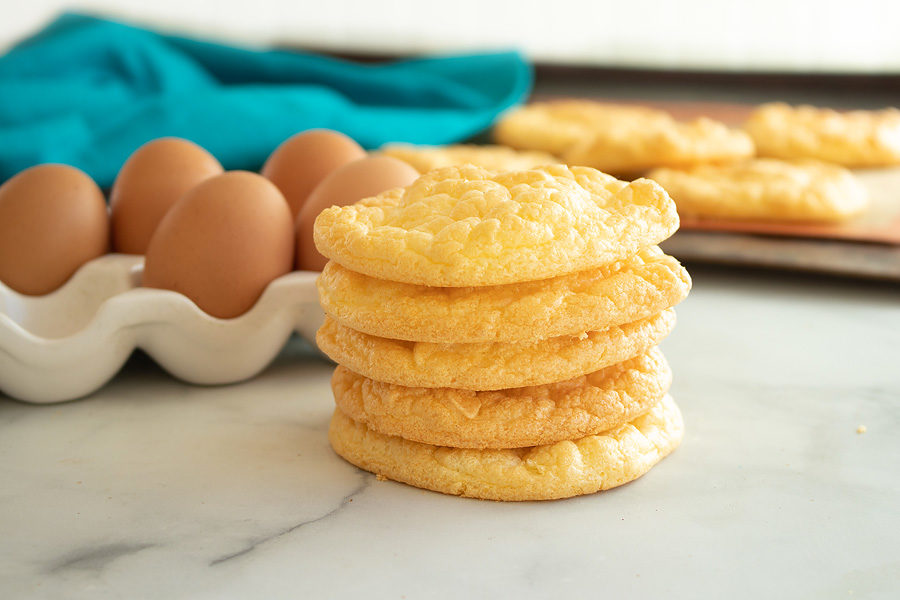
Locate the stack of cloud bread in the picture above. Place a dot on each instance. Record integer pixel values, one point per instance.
(787, 164)
(496, 332)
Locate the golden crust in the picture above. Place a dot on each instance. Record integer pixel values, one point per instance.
(493, 158)
(490, 366)
(630, 148)
(560, 470)
(635, 288)
(513, 418)
(556, 126)
(766, 189)
(465, 226)
(857, 138)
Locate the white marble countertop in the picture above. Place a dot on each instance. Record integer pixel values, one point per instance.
(156, 489)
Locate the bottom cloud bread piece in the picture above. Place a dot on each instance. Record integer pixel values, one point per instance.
(560, 470)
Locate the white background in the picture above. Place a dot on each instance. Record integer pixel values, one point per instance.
(780, 35)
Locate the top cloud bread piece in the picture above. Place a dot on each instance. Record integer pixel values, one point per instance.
(466, 226)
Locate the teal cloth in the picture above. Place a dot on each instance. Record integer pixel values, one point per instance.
(87, 92)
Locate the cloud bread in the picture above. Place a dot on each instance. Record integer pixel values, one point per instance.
(630, 148)
(560, 470)
(766, 189)
(556, 126)
(513, 418)
(489, 366)
(626, 291)
(493, 158)
(853, 139)
(465, 226)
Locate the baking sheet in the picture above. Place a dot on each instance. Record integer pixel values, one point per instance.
(835, 257)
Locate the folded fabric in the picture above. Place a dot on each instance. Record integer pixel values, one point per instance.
(88, 92)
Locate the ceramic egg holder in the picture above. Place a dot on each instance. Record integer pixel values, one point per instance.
(71, 342)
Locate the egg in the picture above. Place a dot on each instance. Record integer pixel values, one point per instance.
(53, 219)
(301, 162)
(223, 243)
(153, 178)
(351, 183)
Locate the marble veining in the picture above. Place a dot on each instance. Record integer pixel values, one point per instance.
(345, 501)
(152, 488)
(94, 558)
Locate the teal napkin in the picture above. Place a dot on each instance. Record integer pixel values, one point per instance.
(87, 92)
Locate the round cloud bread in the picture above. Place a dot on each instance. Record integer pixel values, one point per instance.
(626, 291)
(465, 226)
(560, 470)
(629, 148)
(766, 189)
(493, 158)
(556, 126)
(489, 366)
(857, 138)
(513, 418)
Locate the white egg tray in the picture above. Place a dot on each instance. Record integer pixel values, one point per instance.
(71, 342)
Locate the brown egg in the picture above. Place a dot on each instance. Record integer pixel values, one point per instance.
(351, 183)
(53, 219)
(301, 162)
(150, 182)
(223, 243)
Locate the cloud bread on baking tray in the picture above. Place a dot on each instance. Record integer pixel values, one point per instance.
(628, 149)
(558, 125)
(766, 189)
(493, 158)
(859, 138)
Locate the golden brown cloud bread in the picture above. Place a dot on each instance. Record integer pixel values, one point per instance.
(466, 226)
(766, 189)
(560, 470)
(493, 158)
(513, 418)
(489, 366)
(628, 148)
(858, 138)
(556, 126)
(626, 291)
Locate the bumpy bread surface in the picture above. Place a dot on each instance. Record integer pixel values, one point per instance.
(489, 366)
(560, 470)
(493, 158)
(556, 126)
(853, 139)
(466, 226)
(514, 418)
(629, 148)
(626, 291)
(766, 189)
